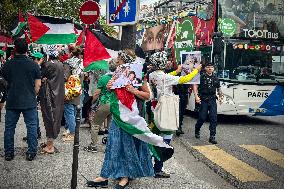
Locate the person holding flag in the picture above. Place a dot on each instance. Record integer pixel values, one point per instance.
(127, 154)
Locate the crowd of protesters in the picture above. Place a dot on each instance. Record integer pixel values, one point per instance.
(43, 80)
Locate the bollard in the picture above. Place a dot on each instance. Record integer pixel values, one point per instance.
(76, 149)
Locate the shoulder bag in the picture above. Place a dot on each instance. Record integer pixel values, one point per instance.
(166, 112)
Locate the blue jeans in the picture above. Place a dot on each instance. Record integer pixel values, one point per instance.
(70, 117)
(205, 106)
(159, 164)
(11, 119)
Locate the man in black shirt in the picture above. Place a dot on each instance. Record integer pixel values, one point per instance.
(206, 97)
(24, 80)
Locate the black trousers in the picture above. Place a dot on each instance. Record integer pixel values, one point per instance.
(183, 101)
(206, 106)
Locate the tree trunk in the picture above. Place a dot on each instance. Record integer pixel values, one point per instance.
(128, 38)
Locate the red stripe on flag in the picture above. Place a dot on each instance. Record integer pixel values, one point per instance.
(94, 49)
(37, 28)
(125, 97)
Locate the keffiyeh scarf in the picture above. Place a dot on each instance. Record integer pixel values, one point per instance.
(126, 57)
(159, 60)
(52, 51)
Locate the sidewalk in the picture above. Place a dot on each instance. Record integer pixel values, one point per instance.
(54, 171)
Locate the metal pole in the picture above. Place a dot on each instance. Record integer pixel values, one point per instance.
(225, 56)
(76, 149)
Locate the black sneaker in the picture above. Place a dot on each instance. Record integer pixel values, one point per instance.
(30, 157)
(197, 134)
(39, 135)
(212, 140)
(162, 174)
(9, 157)
(93, 184)
(101, 132)
(179, 132)
(91, 148)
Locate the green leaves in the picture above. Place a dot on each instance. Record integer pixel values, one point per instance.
(58, 8)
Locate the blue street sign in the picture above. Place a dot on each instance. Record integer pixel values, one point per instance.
(122, 12)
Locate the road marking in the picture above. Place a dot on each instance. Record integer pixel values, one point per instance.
(242, 171)
(266, 153)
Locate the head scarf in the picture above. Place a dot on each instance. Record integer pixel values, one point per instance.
(112, 65)
(126, 57)
(159, 60)
(37, 55)
(52, 51)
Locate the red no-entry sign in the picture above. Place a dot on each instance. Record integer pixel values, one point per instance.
(89, 12)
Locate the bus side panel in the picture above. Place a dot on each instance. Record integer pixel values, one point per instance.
(274, 104)
(259, 100)
(249, 100)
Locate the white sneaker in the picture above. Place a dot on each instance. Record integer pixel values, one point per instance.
(65, 133)
(68, 138)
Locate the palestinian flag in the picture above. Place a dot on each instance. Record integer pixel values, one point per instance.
(61, 31)
(96, 54)
(37, 28)
(126, 115)
(21, 25)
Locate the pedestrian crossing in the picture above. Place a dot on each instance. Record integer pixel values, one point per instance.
(239, 169)
(266, 153)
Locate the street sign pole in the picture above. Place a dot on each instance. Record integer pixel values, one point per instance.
(89, 14)
(76, 149)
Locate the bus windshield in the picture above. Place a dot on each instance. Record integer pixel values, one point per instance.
(254, 47)
(250, 65)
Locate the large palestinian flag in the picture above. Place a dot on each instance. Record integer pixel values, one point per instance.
(61, 31)
(126, 115)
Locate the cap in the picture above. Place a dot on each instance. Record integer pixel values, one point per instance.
(209, 64)
(37, 55)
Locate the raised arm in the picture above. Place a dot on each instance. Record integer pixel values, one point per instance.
(190, 76)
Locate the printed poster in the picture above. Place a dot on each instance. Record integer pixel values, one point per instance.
(190, 60)
(128, 74)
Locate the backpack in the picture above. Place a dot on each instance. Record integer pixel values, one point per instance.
(73, 87)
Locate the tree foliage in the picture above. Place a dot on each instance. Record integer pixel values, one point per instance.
(57, 8)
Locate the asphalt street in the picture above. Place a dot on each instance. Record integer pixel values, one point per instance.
(54, 171)
(249, 155)
(250, 150)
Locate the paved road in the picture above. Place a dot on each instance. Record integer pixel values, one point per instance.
(250, 152)
(54, 171)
